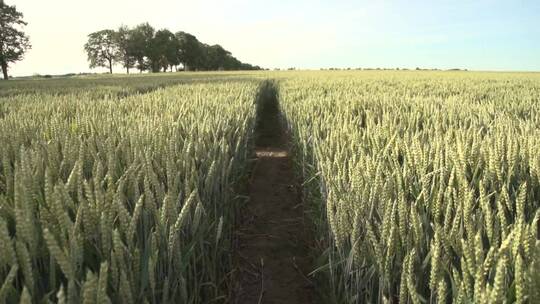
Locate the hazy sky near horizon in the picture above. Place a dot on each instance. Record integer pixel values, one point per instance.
(478, 35)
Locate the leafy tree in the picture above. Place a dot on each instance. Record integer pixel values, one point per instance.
(231, 63)
(172, 51)
(102, 49)
(13, 42)
(126, 48)
(202, 62)
(161, 50)
(190, 50)
(147, 49)
(217, 57)
(141, 38)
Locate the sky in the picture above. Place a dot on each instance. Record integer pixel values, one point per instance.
(305, 34)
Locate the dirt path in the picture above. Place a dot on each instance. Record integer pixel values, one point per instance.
(273, 240)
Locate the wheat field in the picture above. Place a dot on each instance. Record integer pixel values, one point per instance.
(422, 187)
(426, 185)
(120, 199)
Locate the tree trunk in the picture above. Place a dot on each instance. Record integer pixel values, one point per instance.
(4, 70)
(110, 65)
(127, 61)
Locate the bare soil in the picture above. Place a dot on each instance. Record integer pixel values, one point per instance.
(273, 236)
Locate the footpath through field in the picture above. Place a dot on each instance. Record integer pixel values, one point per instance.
(273, 240)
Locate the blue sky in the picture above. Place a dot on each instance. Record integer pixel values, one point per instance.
(478, 35)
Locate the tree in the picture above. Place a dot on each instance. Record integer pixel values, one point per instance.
(217, 57)
(161, 50)
(231, 63)
(126, 49)
(13, 42)
(190, 49)
(172, 51)
(147, 49)
(102, 49)
(202, 62)
(141, 39)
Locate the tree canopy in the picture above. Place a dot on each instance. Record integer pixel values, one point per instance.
(147, 49)
(126, 54)
(13, 41)
(103, 49)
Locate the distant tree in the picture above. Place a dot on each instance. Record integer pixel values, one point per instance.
(171, 52)
(218, 58)
(161, 50)
(202, 62)
(190, 50)
(147, 49)
(141, 37)
(125, 47)
(13, 42)
(102, 49)
(231, 63)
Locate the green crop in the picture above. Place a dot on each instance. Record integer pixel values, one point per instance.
(428, 184)
(125, 200)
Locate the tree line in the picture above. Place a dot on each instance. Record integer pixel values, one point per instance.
(146, 49)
